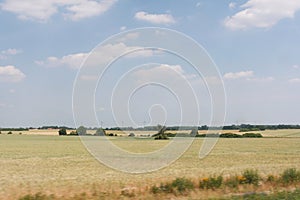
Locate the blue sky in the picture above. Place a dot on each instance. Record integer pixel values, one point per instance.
(254, 43)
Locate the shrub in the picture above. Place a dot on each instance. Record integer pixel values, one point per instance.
(166, 188)
(9, 133)
(131, 135)
(251, 177)
(230, 135)
(252, 135)
(182, 184)
(290, 176)
(111, 134)
(62, 131)
(37, 196)
(211, 182)
(154, 189)
(232, 182)
(271, 178)
(128, 193)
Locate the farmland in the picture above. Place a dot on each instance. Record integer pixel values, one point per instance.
(60, 165)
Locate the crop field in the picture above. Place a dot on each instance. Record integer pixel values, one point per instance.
(60, 165)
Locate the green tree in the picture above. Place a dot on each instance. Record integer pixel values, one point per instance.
(81, 130)
(62, 131)
(100, 132)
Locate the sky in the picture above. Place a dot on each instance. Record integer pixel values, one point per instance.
(253, 43)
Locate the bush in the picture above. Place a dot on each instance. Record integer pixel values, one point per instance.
(230, 135)
(208, 135)
(251, 177)
(131, 135)
(252, 135)
(154, 189)
(290, 176)
(271, 178)
(9, 133)
(211, 182)
(182, 184)
(38, 196)
(232, 182)
(62, 131)
(166, 188)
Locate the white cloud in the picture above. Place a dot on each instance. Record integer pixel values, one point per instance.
(101, 55)
(129, 36)
(11, 51)
(169, 73)
(4, 54)
(232, 5)
(155, 18)
(72, 61)
(264, 79)
(248, 76)
(296, 66)
(88, 8)
(42, 10)
(294, 80)
(238, 75)
(11, 74)
(123, 28)
(262, 13)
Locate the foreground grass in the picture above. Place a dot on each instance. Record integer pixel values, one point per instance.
(62, 166)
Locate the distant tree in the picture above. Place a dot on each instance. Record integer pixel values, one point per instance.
(100, 132)
(9, 133)
(161, 133)
(131, 135)
(81, 130)
(62, 131)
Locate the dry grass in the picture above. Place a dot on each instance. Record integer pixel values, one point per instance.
(62, 166)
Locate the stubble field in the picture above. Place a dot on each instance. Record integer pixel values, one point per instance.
(60, 165)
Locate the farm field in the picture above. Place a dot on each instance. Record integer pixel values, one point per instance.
(61, 165)
(266, 133)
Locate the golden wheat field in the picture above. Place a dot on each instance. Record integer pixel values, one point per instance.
(60, 165)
